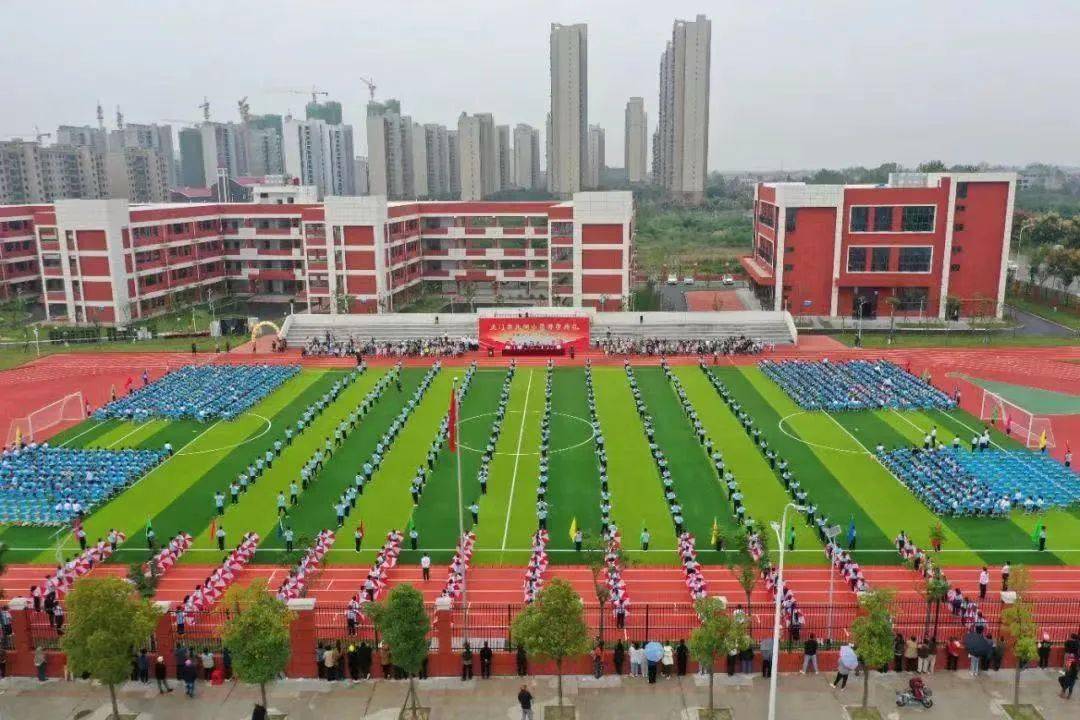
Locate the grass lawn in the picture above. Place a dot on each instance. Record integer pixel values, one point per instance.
(829, 454)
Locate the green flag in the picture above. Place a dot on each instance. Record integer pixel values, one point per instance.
(410, 526)
(1035, 535)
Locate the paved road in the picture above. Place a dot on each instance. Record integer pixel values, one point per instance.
(956, 695)
(1035, 325)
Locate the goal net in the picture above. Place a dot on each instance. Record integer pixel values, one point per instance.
(68, 409)
(1015, 421)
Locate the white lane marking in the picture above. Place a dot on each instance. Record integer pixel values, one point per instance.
(517, 457)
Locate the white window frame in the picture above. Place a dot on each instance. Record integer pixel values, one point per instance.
(870, 254)
(870, 220)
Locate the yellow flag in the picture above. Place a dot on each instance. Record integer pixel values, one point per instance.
(18, 436)
(1042, 440)
(573, 529)
(715, 531)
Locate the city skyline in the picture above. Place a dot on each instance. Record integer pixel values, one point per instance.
(918, 90)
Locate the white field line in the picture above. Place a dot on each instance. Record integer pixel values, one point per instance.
(73, 439)
(138, 428)
(517, 458)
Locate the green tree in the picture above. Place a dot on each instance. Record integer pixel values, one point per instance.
(1018, 624)
(107, 623)
(404, 626)
(1049, 229)
(257, 634)
(872, 633)
(931, 166)
(145, 584)
(934, 588)
(1037, 264)
(553, 627)
(1063, 265)
(719, 634)
(747, 570)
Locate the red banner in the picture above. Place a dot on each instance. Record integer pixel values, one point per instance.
(496, 332)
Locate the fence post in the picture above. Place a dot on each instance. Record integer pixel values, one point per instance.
(21, 659)
(444, 632)
(302, 638)
(164, 641)
(509, 622)
(647, 637)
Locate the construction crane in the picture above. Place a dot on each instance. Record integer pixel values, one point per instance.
(100, 116)
(245, 109)
(37, 135)
(370, 86)
(119, 119)
(205, 108)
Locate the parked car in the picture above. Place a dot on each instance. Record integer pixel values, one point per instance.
(672, 279)
(728, 280)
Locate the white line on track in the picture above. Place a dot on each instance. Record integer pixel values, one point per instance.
(517, 457)
(654, 551)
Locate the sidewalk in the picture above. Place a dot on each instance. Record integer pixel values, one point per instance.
(956, 695)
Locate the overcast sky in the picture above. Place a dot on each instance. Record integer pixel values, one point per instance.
(795, 83)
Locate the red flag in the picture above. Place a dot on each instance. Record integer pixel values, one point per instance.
(453, 420)
(213, 528)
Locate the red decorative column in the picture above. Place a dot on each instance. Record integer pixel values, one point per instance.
(302, 632)
(20, 661)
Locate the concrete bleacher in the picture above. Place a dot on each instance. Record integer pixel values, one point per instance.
(774, 327)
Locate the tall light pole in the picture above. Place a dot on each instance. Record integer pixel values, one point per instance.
(778, 528)
(830, 534)
(1020, 238)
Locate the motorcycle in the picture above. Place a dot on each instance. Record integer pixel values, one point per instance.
(916, 694)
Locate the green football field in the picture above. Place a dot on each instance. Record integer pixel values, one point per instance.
(828, 453)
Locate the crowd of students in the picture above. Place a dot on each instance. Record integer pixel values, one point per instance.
(199, 392)
(445, 346)
(43, 485)
(939, 480)
(854, 385)
(607, 527)
(695, 580)
(385, 560)
(214, 586)
(545, 447)
(459, 566)
(168, 555)
(658, 456)
(295, 585)
(734, 345)
(496, 429)
(847, 567)
(538, 563)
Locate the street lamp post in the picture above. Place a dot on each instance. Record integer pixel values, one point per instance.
(779, 530)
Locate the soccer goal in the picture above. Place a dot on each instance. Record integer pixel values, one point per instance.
(1015, 421)
(70, 408)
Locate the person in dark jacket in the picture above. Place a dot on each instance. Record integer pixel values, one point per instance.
(898, 652)
(1043, 651)
(618, 656)
(522, 660)
(161, 675)
(997, 653)
(226, 663)
(682, 654)
(746, 660)
(485, 661)
(525, 699)
(190, 674)
(364, 658)
(1068, 679)
(143, 663)
(354, 663)
(466, 662)
(180, 654)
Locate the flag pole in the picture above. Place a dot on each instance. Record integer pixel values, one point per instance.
(460, 504)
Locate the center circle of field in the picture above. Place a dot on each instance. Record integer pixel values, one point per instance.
(230, 446)
(811, 443)
(552, 451)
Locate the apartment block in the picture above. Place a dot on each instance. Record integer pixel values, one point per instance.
(138, 174)
(635, 144)
(938, 243)
(596, 163)
(478, 156)
(569, 117)
(681, 147)
(506, 158)
(360, 173)
(437, 141)
(321, 155)
(111, 262)
(526, 157)
(389, 140)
